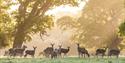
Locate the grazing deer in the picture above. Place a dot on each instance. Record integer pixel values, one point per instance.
(17, 51)
(114, 52)
(30, 52)
(101, 52)
(48, 50)
(82, 51)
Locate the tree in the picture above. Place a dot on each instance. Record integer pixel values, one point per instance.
(32, 12)
(122, 29)
(6, 24)
(122, 34)
(99, 23)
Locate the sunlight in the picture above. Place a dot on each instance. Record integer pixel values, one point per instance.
(13, 7)
(67, 10)
(60, 11)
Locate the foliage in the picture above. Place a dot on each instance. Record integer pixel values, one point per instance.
(6, 24)
(122, 29)
(30, 19)
(98, 24)
(31, 13)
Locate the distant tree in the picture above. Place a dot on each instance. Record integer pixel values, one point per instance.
(122, 34)
(31, 18)
(98, 23)
(122, 29)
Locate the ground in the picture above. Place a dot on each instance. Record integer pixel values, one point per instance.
(62, 60)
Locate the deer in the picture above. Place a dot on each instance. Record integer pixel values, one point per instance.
(59, 50)
(30, 52)
(47, 52)
(101, 52)
(82, 51)
(54, 54)
(20, 51)
(65, 50)
(17, 51)
(6, 53)
(114, 52)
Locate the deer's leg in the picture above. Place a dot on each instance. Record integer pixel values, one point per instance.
(102, 55)
(79, 55)
(117, 55)
(59, 55)
(88, 55)
(96, 54)
(25, 55)
(82, 55)
(32, 56)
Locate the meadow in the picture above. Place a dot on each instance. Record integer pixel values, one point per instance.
(63, 60)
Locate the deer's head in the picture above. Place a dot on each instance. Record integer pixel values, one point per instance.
(60, 46)
(34, 47)
(24, 46)
(52, 44)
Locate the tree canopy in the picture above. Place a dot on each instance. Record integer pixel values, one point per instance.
(28, 19)
(98, 25)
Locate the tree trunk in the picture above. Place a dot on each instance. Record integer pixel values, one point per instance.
(18, 41)
(19, 36)
(22, 31)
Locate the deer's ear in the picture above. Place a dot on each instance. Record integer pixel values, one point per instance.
(52, 43)
(60, 45)
(33, 46)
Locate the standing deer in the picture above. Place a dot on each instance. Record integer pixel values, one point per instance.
(30, 52)
(6, 53)
(17, 51)
(114, 52)
(47, 52)
(59, 50)
(101, 52)
(54, 54)
(82, 51)
(65, 51)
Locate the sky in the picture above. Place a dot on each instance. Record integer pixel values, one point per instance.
(67, 10)
(60, 10)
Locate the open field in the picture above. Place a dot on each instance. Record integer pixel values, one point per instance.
(63, 60)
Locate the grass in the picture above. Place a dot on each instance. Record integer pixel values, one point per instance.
(62, 60)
